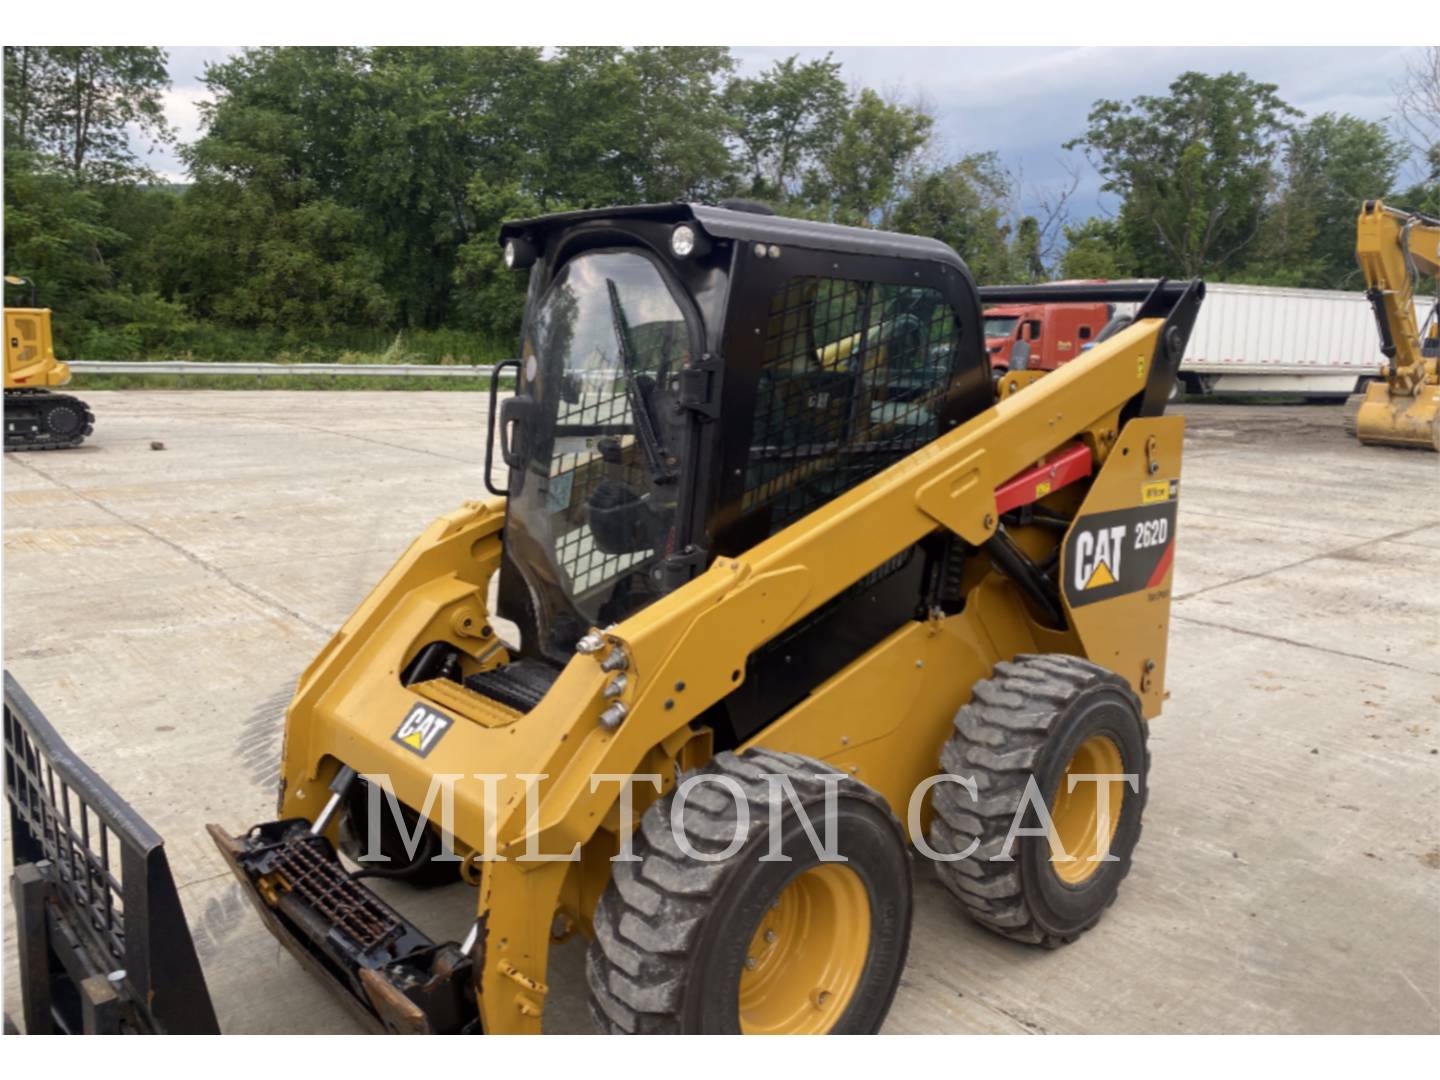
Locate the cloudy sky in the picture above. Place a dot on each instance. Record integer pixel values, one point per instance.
(1021, 102)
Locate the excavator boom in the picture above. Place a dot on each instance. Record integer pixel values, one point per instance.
(1394, 249)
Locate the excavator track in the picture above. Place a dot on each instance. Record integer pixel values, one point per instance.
(41, 420)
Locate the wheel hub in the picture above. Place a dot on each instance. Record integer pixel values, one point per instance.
(1076, 810)
(807, 955)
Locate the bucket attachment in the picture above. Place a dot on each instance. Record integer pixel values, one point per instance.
(1388, 419)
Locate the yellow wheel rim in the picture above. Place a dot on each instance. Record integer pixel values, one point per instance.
(1076, 813)
(805, 960)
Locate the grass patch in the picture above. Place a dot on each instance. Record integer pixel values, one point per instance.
(82, 382)
(221, 344)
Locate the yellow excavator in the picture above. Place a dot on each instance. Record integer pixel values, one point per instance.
(1394, 249)
(37, 418)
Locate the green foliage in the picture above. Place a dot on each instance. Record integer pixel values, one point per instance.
(1194, 168)
(963, 204)
(1424, 195)
(75, 103)
(345, 201)
(785, 121)
(861, 180)
(492, 297)
(1331, 165)
(1097, 248)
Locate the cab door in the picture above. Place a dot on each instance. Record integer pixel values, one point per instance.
(27, 346)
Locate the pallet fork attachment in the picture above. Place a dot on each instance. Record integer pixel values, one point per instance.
(103, 943)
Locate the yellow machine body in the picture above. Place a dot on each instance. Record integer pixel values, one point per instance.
(29, 352)
(882, 719)
(1393, 249)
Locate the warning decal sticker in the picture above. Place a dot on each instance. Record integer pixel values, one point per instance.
(1118, 552)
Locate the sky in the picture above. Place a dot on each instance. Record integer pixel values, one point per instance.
(1021, 102)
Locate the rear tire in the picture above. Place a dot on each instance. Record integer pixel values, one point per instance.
(738, 945)
(1040, 717)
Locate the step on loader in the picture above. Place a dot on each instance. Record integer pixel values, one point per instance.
(781, 597)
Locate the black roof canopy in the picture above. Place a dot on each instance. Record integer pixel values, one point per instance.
(722, 223)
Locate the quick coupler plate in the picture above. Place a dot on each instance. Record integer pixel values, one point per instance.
(391, 972)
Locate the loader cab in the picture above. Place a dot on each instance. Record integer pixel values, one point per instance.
(693, 379)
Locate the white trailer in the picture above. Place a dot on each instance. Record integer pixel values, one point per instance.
(1252, 339)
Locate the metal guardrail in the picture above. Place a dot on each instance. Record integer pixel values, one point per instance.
(102, 939)
(260, 369)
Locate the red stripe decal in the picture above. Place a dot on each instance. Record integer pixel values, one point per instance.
(1163, 566)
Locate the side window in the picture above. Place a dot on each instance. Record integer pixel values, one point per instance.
(27, 331)
(1084, 333)
(854, 378)
(1031, 328)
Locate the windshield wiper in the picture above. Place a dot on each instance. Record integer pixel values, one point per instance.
(656, 458)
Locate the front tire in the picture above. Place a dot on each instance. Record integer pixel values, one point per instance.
(741, 945)
(1041, 719)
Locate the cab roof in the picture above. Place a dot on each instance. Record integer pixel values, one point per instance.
(724, 223)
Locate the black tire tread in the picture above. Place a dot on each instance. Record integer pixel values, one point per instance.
(999, 736)
(48, 400)
(651, 912)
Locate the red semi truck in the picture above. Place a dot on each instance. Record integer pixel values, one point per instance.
(1045, 335)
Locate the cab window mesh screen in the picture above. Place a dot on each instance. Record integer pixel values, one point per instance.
(855, 376)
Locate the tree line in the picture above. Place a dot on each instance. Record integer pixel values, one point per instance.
(345, 195)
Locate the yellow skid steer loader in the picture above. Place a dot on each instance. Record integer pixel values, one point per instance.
(780, 590)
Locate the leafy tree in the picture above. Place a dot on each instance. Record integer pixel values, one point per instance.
(679, 132)
(76, 104)
(963, 204)
(55, 230)
(1331, 164)
(492, 295)
(861, 180)
(1097, 248)
(1194, 168)
(784, 121)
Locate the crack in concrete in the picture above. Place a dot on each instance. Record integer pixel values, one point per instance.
(1301, 644)
(1334, 553)
(204, 564)
(358, 438)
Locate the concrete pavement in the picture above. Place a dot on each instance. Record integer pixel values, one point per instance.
(159, 605)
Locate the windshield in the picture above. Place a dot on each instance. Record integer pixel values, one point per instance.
(1000, 325)
(595, 509)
